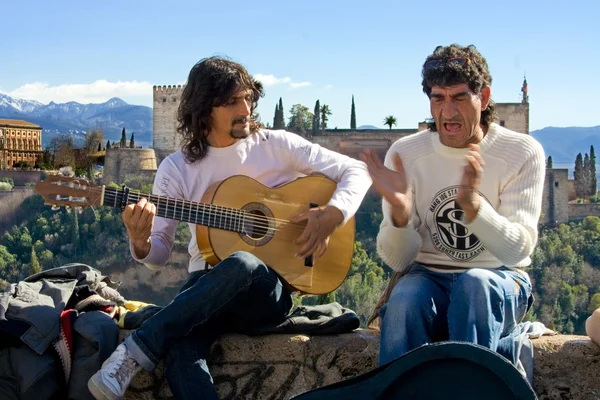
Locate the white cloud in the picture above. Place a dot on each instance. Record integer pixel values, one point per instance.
(299, 84)
(272, 80)
(96, 92)
(328, 87)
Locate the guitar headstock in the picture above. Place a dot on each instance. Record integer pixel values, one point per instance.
(62, 191)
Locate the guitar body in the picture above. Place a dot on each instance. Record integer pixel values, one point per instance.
(270, 236)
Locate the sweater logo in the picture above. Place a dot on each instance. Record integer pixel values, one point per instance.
(448, 233)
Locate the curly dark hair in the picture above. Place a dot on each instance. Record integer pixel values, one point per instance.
(474, 73)
(211, 83)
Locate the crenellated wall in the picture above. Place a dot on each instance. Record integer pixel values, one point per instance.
(165, 138)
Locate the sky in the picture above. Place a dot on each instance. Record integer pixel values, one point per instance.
(328, 50)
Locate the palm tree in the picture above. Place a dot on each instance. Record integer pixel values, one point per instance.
(325, 111)
(389, 121)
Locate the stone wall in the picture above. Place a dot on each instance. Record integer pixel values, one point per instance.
(165, 140)
(121, 164)
(580, 211)
(22, 177)
(282, 366)
(555, 201)
(514, 116)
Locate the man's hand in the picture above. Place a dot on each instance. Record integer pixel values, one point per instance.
(468, 198)
(139, 219)
(320, 224)
(391, 184)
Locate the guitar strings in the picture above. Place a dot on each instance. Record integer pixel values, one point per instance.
(261, 222)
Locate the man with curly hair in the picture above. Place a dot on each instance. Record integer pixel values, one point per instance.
(220, 139)
(461, 203)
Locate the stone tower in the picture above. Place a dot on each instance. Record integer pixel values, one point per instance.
(515, 116)
(165, 139)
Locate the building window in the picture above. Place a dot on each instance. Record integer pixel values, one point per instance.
(501, 122)
(556, 184)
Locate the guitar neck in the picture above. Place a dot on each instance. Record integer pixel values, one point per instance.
(210, 215)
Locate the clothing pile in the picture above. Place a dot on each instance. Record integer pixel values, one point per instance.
(56, 330)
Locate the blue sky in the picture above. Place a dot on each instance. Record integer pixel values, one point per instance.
(327, 50)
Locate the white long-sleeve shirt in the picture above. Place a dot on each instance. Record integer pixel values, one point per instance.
(504, 231)
(272, 158)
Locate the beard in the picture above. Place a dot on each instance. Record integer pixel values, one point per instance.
(240, 131)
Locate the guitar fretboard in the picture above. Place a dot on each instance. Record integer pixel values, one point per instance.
(210, 215)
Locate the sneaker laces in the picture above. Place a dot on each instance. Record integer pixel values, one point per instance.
(123, 368)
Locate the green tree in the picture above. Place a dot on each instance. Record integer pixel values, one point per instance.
(593, 179)
(549, 162)
(316, 119)
(276, 116)
(108, 144)
(132, 141)
(389, 121)
(353, 115)
(578, 177)
(300, 119)
(587, 175)
(34, 264)
(74, 229)
(325, 113)
(281, 117)
(123, 139)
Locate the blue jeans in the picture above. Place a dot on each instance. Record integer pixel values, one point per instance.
(478, 306)
(239, 293)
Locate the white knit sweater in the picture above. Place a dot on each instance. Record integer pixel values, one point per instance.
(504, 232)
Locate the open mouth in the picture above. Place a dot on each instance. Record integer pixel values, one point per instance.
(452, 127)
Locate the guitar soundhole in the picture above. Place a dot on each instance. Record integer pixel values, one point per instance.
(259, 224)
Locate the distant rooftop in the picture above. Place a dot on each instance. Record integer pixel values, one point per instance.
(18, 122)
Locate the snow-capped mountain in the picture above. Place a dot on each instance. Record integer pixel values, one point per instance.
(76, 119)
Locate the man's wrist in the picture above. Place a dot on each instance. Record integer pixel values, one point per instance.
(335, 214)
(470, 209)
(142, 249)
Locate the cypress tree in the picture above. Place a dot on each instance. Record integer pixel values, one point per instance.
(316, 119)
(353, 115)
(123, 139)
(593, 179)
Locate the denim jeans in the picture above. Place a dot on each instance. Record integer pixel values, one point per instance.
(239, 293)
(478, 306)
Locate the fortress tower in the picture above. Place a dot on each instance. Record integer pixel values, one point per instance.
(165, 139)
(515, 116)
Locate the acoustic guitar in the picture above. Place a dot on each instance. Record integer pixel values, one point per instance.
(238, 213)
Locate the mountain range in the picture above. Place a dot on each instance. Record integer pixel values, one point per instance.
(563, 144)
(76, 119)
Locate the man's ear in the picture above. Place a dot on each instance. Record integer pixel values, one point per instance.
(485, 95)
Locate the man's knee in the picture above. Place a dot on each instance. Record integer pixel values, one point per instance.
(244, 263)
(475, 283)
(409, 302)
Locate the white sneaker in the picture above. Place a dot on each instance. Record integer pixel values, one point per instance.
(111, 382)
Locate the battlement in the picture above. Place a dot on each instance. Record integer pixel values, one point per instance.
(166, 90)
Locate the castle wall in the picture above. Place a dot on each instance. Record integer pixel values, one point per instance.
(555, 201)
(121, 164)
(20, 178)
(165, 139)
(580, 211)
(514, 116)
